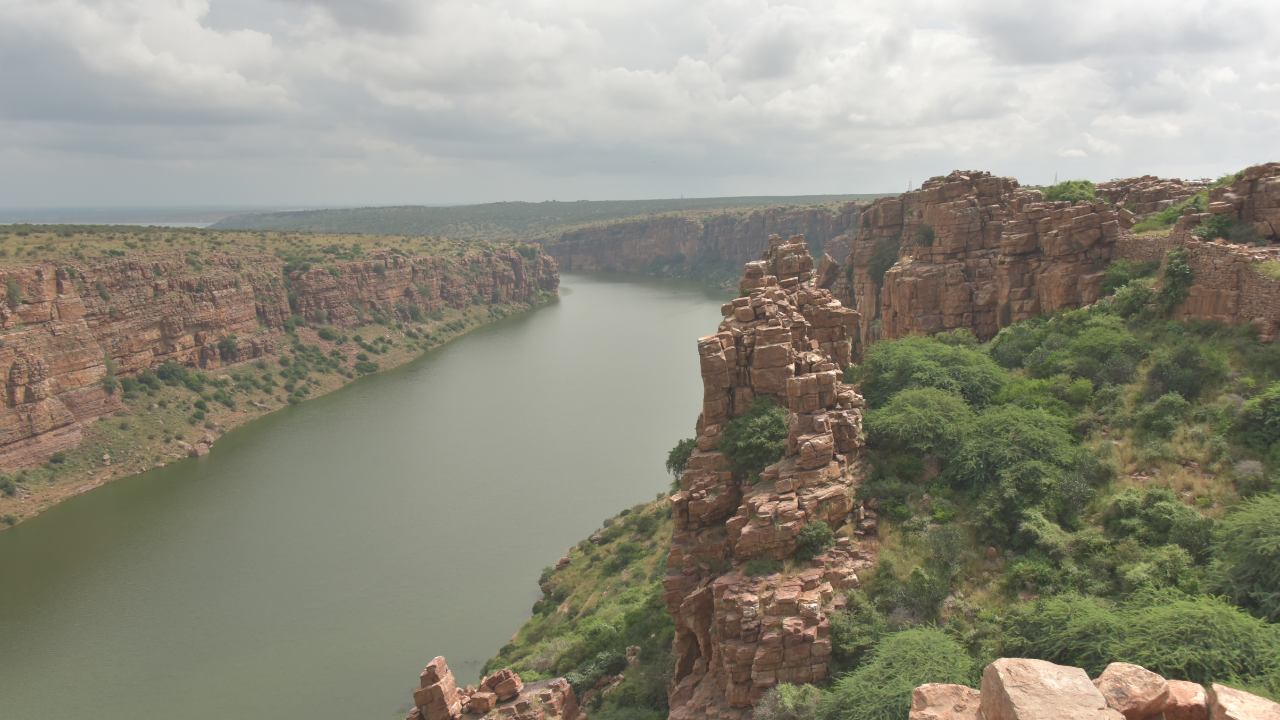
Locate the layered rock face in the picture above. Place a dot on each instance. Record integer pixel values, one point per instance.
(65, 324)
(728, 237)
(736, 636)
(1022, 689)
(1255, 199)
(1146, 195)
(502, 695)
(974, 251)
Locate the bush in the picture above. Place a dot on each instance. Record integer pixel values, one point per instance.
(1072, 191)
(761, 566)
(58, 458)
(927, 420)
(1249, 559)
(364, 367)
(1259, 419)
(1154, 516)
(1184, 370)
(917, 362)
(1163, 416)
(758, 438)
(14, 291)
(109, 385)
(101, 287)
(880, 689)
(883, 257)
(1120, 273)
(328, 333)
(813, 540)
(1175, 282)
(924, 235)
(789, 702)
(678, 458)
(1005, 437)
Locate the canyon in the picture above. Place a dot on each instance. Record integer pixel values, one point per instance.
(69, 325)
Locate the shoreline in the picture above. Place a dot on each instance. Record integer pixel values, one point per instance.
(155, 428)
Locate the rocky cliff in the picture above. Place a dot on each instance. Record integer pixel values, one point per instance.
(728, 238)
(738, 634)
(1023, 689)
(67, 325)
(971, 250)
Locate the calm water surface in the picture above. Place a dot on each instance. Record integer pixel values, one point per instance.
(319, 557)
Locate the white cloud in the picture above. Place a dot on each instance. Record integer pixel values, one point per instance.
(403, 100)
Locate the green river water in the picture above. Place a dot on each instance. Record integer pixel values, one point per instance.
(319, 557)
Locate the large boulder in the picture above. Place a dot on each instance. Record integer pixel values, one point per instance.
(1230, 704)
(1024, 689)
(1187, 701)
(940, 701)
(1133, 690)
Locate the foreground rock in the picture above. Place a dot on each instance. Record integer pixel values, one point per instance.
(1025, 689)
(502, 694)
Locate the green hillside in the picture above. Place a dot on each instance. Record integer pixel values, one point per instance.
(504, 219)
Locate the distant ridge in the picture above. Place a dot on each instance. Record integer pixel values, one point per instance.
(503, 219)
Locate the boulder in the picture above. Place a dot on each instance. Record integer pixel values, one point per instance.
(939, 701)
(1230, 704)
(1187, 701)
(1024, 689)
(504, 683)
(1132, 690)
(483, 702)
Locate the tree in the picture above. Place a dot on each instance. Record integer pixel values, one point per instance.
(880, 689)
(678, 458)
(758, 438)
(927, 420)
(917, 362)
(1249, 559)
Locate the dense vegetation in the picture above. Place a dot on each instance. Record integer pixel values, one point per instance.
(1090, 487)
(504, 219)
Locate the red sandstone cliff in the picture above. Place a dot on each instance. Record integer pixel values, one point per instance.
(68, 322)
(736, 635)
(727, 237)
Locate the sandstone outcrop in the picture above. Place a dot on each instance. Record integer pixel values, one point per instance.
(67, 325)
(788, 339)
(729, 238)
(501, 695)
(1024, 689)
(975, 251)
(1146, 195)
(1254, 199)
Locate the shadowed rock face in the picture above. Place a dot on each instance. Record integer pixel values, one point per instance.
(731, 238)
(736, 636)
(71, 319)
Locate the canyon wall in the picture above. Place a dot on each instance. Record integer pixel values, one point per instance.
(66, 326)
(737, 635)
(971, 250)
(726, 238)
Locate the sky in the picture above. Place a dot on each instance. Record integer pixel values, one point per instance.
(384, 102)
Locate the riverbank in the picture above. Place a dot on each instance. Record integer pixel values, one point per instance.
(171, 420)
(123, 349)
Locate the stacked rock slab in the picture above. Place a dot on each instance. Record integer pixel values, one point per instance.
(973, 251)
(786, 339)
(1254, 199)
(501, 695)
(1023, 689)
(1146, 195)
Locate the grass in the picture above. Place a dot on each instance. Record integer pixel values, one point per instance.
(1271, 269)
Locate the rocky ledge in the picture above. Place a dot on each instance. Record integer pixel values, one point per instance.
(501, 696)
(1023, 689)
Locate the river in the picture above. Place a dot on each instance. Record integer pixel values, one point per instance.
(320, 556)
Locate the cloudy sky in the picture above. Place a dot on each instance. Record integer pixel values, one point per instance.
(376, 102)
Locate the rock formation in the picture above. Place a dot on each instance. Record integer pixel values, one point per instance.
(66, 326)
(737, 635)
(1022, 689)
(501, 695)
(975, 251)
(729, 238)
(1146, 195)
(1254, 199)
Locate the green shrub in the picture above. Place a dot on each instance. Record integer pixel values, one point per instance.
(58, 458)
(914, 362)
(883, 257)
(1163, 416)
(789, 702)
(1154, 517)
(758, 438)
(1249, 559)
(1122, 272)
(14, 291)
(1259, 419)
(364, 368)
(101, 287)
(1005, 437)
(1175, 281)
(1133, 298)
(761, 566)
(109, 385)
(8, 486)
(923, 419)
(678, 458)
(813, 540)
(924, 235)
(1185, 370)
(1072, 191)
(327, 333)
(880, 689)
